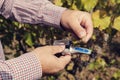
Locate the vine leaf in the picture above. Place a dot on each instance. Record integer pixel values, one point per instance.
(116, 24)
(74, 5)
(101, 62)
(69, 2)
(116, 75)
(58, 2)
(91, 66)
(100, 19)
(89, 4)
(28, 39)
(117, 1)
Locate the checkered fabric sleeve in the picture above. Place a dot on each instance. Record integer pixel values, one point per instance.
(34, 12)
(25, 67)
(6, 7)
(2, 56)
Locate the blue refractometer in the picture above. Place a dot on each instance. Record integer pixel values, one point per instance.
(71, 49)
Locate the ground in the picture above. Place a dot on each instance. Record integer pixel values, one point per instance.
(102, 64)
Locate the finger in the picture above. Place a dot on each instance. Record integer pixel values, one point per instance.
(56, 49)
(64, 60)
(89, 29)
(78, 29)
(89, 32)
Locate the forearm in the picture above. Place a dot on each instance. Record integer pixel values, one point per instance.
(25, 67)
(35, 12)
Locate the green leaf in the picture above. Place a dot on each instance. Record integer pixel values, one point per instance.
(112, 61)
(58, 2)
(74, 6)
(69, 2)
(116, 24)
(116, 74)
(101, 62)
(78, 4)
(112, 2)
(100, 19)
(16, 23)
(89, 4)
(117, 1)
(91, 66)
(28, 39)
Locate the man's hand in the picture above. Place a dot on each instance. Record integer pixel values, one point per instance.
(50, 63)
(79, 22)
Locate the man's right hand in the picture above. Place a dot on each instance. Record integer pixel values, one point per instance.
(79, 22)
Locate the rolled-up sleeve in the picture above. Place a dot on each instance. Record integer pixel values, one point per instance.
(6, 8)
(35, 12)
(25, 67)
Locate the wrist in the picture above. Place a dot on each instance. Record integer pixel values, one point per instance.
(65, 18)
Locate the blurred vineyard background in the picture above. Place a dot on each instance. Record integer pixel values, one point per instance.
(102, 64)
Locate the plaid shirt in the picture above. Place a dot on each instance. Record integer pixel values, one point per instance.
(27, 66)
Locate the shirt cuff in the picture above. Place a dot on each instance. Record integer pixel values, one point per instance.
(25, 67)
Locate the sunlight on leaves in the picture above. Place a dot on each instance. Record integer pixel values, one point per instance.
(28, 39)
(89, 4)
(74, 6)
(117, 1)
(100, 19)
(58, 2)
(69, 2)
(91, 66)
(101, 62)
(112, 2)
(116, 75)
(116, 24)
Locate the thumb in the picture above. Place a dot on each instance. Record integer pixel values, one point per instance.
(57, 49)
(64, 60)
